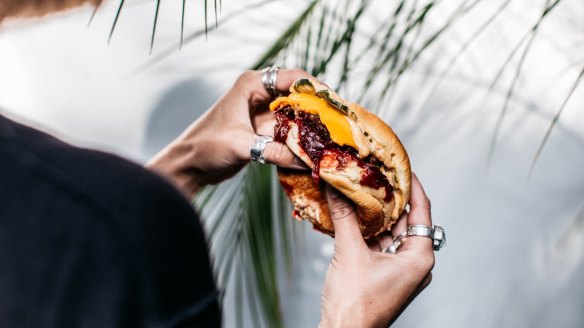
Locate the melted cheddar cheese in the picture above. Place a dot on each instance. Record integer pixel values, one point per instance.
(335, 121)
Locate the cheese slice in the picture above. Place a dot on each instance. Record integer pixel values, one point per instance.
(336, 122)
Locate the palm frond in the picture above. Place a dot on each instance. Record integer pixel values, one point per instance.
(534, 28)
(284, 41)
(249, 215)
(154, 25)
(118, 12)
(241, 220)
(93, 12)
(206, 26)
(460, 51)
(217, 8)
(182, 24)
(165, 53)
(547, 9)
(555, 120)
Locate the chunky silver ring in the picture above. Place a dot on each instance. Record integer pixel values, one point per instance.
(438, 237)
(435, 233)
(256, 151)
(420, 230)
(269, 76)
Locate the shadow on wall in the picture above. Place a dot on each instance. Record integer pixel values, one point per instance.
(175, 111)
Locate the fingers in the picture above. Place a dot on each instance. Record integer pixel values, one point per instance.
(419, 205)
(280, 155)
(252, 82)
(419, 215)
(383, 240)
(347, 233)
(287, 76)
(401, 225)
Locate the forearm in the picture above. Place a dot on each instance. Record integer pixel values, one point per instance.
(174, 163)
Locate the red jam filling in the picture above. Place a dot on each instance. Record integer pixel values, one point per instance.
(315, 140)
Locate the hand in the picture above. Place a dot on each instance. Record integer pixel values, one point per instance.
(216, 146)
(365, 287)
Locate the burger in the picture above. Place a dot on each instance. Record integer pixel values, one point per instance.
(347, 147)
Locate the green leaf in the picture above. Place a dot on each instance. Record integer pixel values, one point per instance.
(284, 41)
(555, 120)
(115, 20)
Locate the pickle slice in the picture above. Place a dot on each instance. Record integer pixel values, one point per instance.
(307, 86)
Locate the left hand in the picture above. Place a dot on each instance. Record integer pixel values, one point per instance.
(368, 288)
(216, 146)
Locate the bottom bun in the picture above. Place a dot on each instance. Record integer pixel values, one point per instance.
(309, 203)
(308, 199)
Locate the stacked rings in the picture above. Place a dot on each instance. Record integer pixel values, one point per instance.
(269, 75)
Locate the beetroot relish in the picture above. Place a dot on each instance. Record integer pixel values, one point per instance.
(315, 140)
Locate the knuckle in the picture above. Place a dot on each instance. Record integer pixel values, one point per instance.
(246, 76)
(341, 210)
(276, 153)
(424, 204)
(427, 204)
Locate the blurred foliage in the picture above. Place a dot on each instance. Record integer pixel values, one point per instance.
(248, 217)
(372, 57)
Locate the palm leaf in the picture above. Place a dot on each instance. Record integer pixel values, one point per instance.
(154, 25)
(532, 33)
(248, 216)
(118, 12)
(284, 41)
(182, 24)
(461, 50)
(555, 119)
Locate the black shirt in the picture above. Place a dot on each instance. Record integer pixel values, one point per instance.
(88, 239)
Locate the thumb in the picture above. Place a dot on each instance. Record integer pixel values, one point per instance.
(347, 233)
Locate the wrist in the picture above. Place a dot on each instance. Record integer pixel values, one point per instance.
(174, 163)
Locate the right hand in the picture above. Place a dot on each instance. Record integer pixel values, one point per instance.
(365, 287)
(216, 146)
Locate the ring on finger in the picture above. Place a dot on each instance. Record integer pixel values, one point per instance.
(394, 246)
(435, 233)
(269, 76)
(256, 151)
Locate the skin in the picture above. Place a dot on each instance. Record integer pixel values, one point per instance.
(35, 8)
(364, 287)
(216, 146)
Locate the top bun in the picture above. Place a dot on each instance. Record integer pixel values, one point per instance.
(376, 211)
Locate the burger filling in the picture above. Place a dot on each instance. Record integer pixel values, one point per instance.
(315, 140)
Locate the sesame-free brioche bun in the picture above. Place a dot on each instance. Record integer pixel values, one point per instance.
(371, 157)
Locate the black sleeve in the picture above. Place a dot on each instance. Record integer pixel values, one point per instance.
(90, 240)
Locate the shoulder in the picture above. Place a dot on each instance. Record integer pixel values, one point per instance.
(133, 211)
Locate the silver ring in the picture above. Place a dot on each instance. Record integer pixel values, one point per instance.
(439, 237)
(392, 249)
(435, 233)
(420, 230)
(256, 151)
(269, 76)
